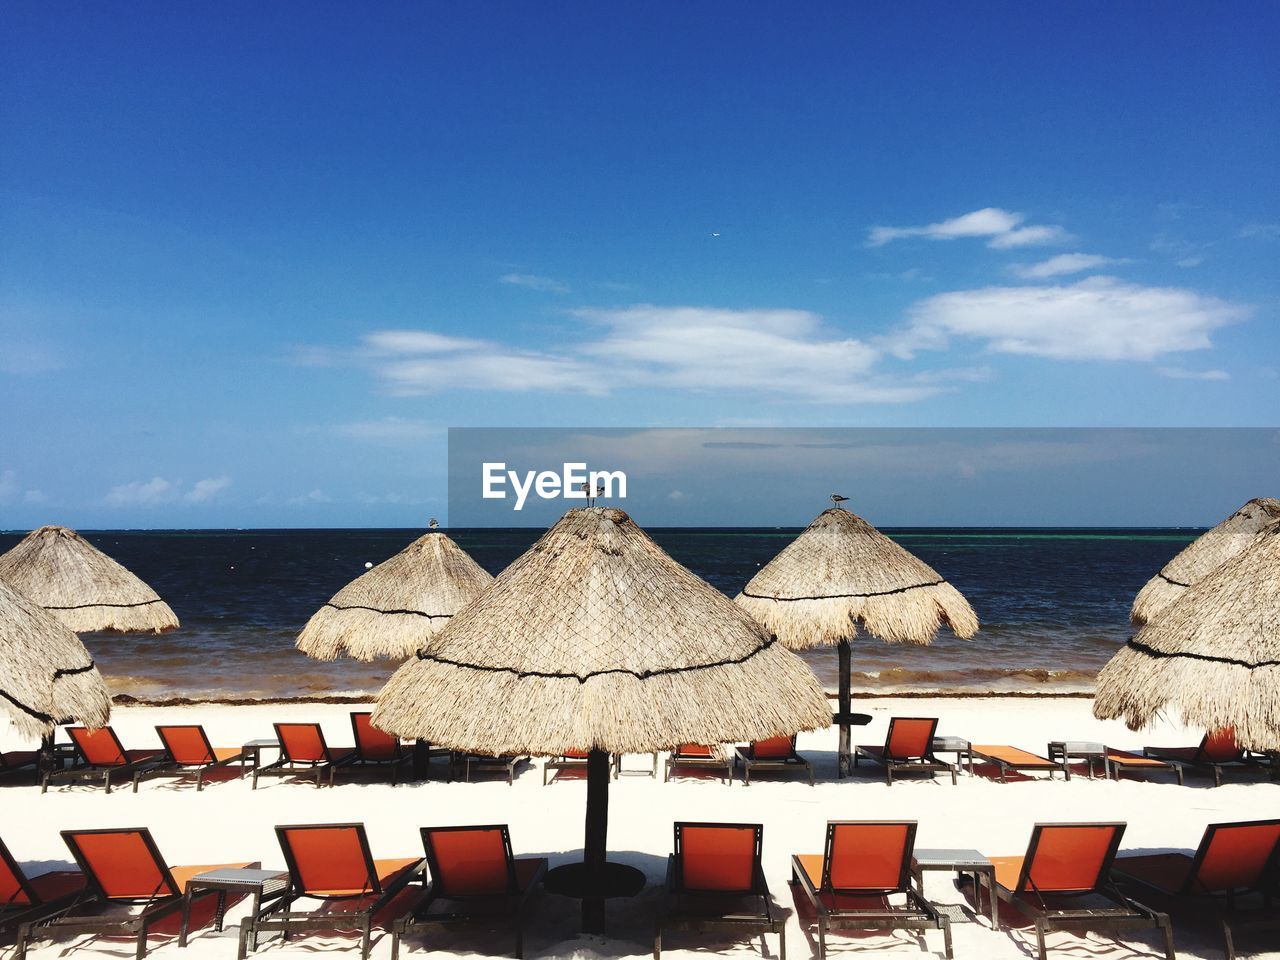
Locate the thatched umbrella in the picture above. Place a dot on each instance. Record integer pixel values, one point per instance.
(596, 639)
(1202, 556)
(1214, 653)
(395, 608)
(842, 571)
(46, 675)
(81, 586)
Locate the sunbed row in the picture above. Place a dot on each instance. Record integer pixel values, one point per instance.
(867, 877)
(911, 746)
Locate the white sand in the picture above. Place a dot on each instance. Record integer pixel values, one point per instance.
(229, 822)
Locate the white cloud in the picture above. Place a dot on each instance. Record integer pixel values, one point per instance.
(310, 497)
(158, 490)
(1181, 373)
(1099, 318)
(1003, 229)
(1265, 231)
(531, 281)
(1062, 264)
(141, 493)
(202, 491)
(420, 341)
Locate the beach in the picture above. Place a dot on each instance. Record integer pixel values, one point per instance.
(230, 822)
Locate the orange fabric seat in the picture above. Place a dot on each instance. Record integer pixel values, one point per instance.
(1014, 756)
(1163, 871)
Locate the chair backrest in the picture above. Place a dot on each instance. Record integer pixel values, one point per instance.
(868, 855)
(102, 747)
(470, 861)
(775, 748)
(302, 742)
(14, 888)
(371, 742)
(122, 864)
(1219, 746)
(695, 751)
(1234, 856)
(187, 744)
(576, 754)
(718, 857)
(1069, 857)
(909, 737)
(329, 860)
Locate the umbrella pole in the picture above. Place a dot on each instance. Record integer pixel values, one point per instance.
(846, 707)
(597, 828)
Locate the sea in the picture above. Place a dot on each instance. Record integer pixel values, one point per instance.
(1053, 605)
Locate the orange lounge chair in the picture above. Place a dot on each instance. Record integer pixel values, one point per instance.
(1233, 861)
(697, 756)
(715, 882)
(776, 753)
(1218, 752)
(1008, 758)
(1063, 882)
(331, 863)
(123, 868)
(469, 763)
(377, 748)
(188, 750)
(1125, 761)
(569, 760)
(25, 900)
(907, 747)
(302, 749)
(863, 864)
(101, 754)
(476, 878)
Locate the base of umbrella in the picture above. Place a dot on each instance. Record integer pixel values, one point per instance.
(573, 880)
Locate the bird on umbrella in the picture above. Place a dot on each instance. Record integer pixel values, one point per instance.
(837, 499)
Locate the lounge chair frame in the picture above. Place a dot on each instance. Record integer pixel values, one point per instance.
(927, 762)
(1123, 914)
(170, 767)
(717, 760)
(278, 916)
(66, 922)
(512, 904)
(1223, 902)
(918, 913)
(749, 761)
(465, 763)
(16, 761)
(36, 907)
(85, 769)
(396, 763)
(285, 765)
(675, 915)
(1200, 762)
(1049, 764)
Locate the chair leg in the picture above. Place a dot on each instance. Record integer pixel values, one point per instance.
(782, 942)
(657, 941)
(519, 938)
(822, 938)
(20, 945)
(106, 780)
(1227, 940)
(395, 942)
(946, 938)
(366, 936)
(141, 951)
(1040, 940)
(1167, 928)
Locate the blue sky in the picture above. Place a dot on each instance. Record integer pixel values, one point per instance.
(255, 259)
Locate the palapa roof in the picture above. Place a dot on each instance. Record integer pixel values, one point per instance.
(393, 609)
(46, 675)
(1214, 653)
(841, 572)
(1202, 556)
(596, 638)
(82, 586)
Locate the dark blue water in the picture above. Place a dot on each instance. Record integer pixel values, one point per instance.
(1054, 604)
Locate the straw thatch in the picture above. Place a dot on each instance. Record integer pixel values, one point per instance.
(81, 586)
(396, 607)
(46, 675)
(1201, 557)
(1214, 653)
(596, 638)
(842, 571)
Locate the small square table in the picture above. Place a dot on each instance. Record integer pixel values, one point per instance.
(619, 771)
(1087, 750)
(262, 884)
(961, 747)
(252, 751)
(960, 862)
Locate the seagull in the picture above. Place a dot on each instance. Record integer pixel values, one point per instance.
(433, 523)
(837, 499)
